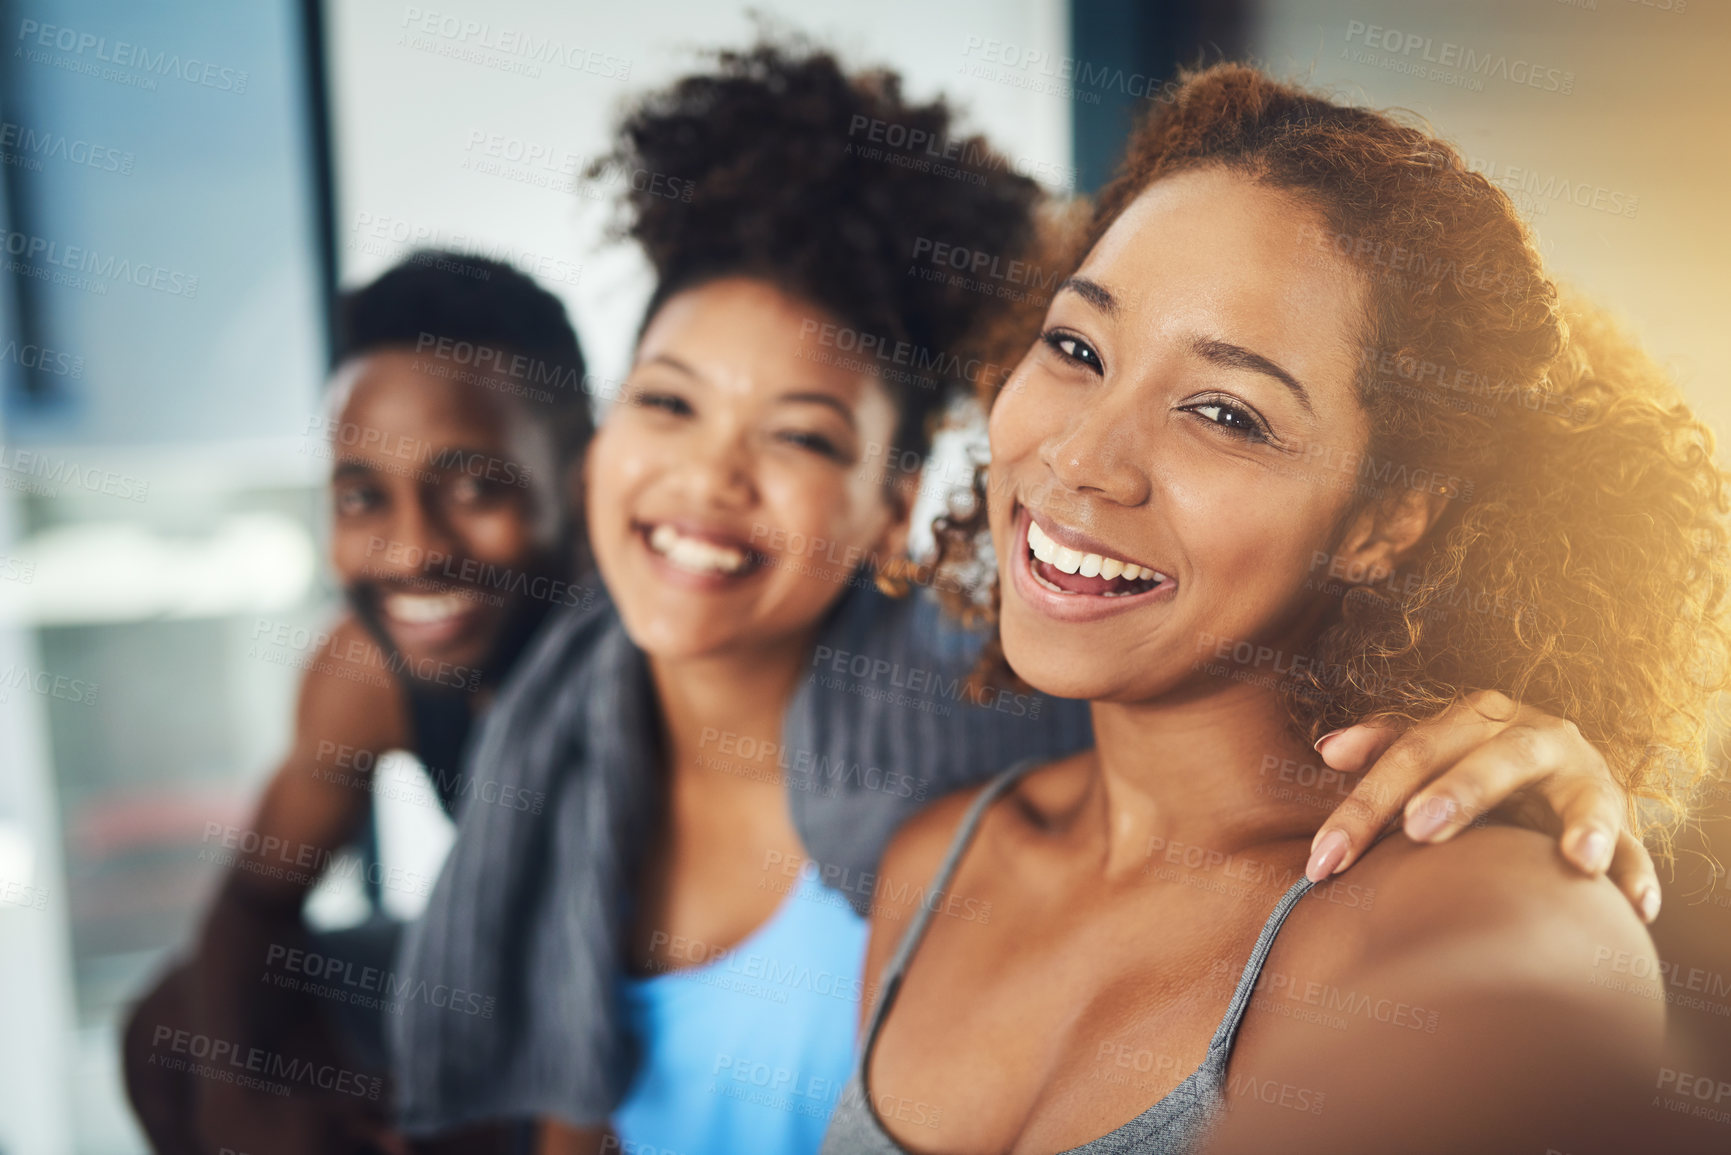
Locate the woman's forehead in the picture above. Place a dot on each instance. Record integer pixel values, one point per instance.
(1214, 254)
(749, 337)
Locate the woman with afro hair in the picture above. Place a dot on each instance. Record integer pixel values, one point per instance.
(670, 946)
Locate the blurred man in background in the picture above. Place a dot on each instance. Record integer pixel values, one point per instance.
(456, 416)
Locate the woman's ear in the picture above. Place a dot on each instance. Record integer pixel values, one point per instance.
(1380, 535)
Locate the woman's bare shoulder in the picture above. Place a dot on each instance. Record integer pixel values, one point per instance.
(1483, 971)
(1508, 892)
(1493, 918)
(917, 849)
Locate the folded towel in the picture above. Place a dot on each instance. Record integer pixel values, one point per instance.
(510, 975)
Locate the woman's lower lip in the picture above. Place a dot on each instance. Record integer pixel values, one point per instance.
(1071, 607)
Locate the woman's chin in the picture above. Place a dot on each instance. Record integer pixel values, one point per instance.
(673, 638)
(1083, 686)
(1088, 674)
(1063, 676)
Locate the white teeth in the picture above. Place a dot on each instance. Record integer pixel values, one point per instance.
(1087, 564)
(695, 554)
(1044, 547)
(419, 609)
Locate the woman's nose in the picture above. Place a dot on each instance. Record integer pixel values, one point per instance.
(1102, 450)
(719, 470)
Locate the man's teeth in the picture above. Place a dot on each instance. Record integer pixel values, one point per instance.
(695, 554)
(1087, 564)
(419, 609)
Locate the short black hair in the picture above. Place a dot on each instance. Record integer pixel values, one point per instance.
(778, 164)
(483, 317)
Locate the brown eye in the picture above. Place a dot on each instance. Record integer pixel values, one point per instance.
(816, 442)
(665, 402)
(1073, 349)
(1234, 419)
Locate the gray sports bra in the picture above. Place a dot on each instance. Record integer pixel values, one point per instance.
(1173, 1126)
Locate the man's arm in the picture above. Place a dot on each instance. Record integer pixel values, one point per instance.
(315, 802)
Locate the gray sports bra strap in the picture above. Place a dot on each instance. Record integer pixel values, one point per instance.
(1175, 1124)
(892, 977)
(1220, 1046)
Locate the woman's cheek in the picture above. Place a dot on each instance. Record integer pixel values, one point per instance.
(1010, 416)
(1265, 532)
(609, 472)
(792, 515)
(822, 519)
(1025, 412)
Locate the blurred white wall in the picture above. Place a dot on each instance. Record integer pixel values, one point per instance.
(415, 112)
(37, 1044)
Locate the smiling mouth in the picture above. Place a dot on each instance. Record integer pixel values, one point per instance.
(438, 618)
(1070, 571)
(425, 609)
(702, 556)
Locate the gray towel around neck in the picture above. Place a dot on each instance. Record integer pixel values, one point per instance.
(511, 973)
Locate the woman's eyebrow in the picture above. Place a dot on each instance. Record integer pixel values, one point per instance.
(1221, 353)
(1230, 356)
(673, 363)
(1093, 292)
(811, 397)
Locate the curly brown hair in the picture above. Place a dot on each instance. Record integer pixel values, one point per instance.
(1581, 562)
(778, 164)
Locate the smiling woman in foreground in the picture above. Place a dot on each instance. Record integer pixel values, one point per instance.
(1307, 437)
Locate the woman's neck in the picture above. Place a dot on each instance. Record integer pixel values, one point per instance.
(1213, 774)
(722, 709)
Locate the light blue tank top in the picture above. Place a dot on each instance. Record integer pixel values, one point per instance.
(749, 1053)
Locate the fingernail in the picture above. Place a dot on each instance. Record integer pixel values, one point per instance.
(1326, 855)
(1424, 820)
(1649, 904)
(1591, 850)
(1324, 739)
